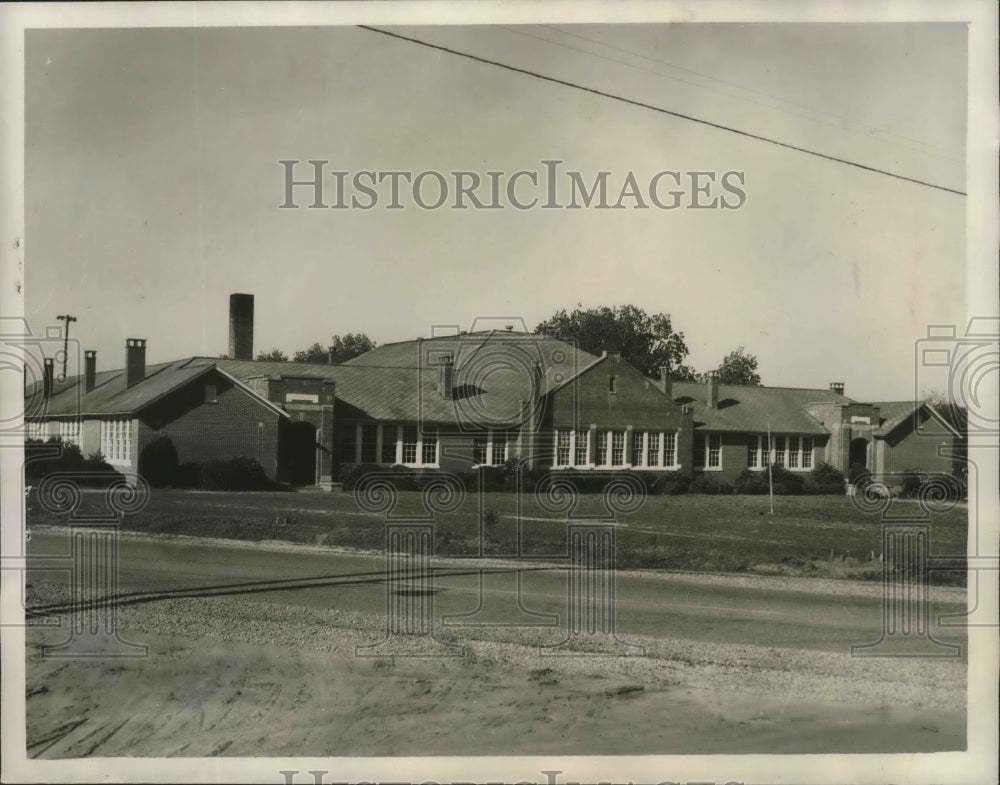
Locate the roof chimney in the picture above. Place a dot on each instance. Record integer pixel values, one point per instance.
(241, 326)
(135, 361)
(89, 370)
(48, 377)
(664, 383)
(447, 373)
(713, 390)
(837, 387)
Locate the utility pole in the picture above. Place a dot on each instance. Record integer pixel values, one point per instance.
(65, 317)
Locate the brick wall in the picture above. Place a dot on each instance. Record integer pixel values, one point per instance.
(907, 449)
(234, 425)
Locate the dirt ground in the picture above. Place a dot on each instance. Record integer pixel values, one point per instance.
(231, 676)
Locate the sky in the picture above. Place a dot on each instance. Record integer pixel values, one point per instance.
(153, 186)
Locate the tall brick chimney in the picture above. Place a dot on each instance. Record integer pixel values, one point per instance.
(665, 383)
(89, 370)
(447, 376)
(48, 378)
(837, 387)
(135, 361)
(241, 326)
(713, 390)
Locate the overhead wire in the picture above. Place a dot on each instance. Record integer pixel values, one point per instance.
(661, 110)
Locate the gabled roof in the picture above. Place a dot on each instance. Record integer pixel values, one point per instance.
(475, 353)
(895, 413)
(755, 409)
(110, 397)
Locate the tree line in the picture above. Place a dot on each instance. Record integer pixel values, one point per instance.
(648, 342)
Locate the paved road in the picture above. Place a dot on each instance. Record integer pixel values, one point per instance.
(657, 606)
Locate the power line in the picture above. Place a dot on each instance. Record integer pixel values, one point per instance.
(834, 119)
(659, 109)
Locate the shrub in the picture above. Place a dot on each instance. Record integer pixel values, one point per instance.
(786, 483)
(751, 483)
(349, 474)
(188, 475)
(825, 479)
(234, 474)
(651, 481)
(489, 478)
(41, 460)
(675, 483)
(705, 483)
(403, 477)
(158, 462)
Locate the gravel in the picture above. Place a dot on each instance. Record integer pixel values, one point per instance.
(641, 660)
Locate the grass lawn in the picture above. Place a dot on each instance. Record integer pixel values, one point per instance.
(806, 535)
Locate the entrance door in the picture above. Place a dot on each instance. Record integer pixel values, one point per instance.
(299, 453)
(859, 452)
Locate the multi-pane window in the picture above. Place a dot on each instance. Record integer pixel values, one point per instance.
(490, 450)
(581, 448)
(369, 443)
(792, 452)
(409, 444)
(499, 449)
(637, 450)
(388, 443)
(116, 440)
(479, 451)
(669, 449)
(779, 450)
(562, 448)
(714, 451)
(572, 448)
(647, 449)
(601, 453)
(617, 448)
(429, 448)
(69, 431)
(653, 449)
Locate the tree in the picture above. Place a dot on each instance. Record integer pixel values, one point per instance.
(341, 349)
(648, 342)
(275, 355)
(738, 367)
(314, 354)
(350, 346)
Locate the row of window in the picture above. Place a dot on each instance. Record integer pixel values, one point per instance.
(389, 444)
(648, 449)
(69, 431)
(793, 452)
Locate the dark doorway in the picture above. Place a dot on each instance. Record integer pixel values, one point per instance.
(859, 452)
(298, 454)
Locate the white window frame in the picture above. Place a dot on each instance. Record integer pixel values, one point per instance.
(493, 439)
(801, 447)
(380, 442)
(71, 431)
(606, 437)
(116, 440)
(571, 453)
